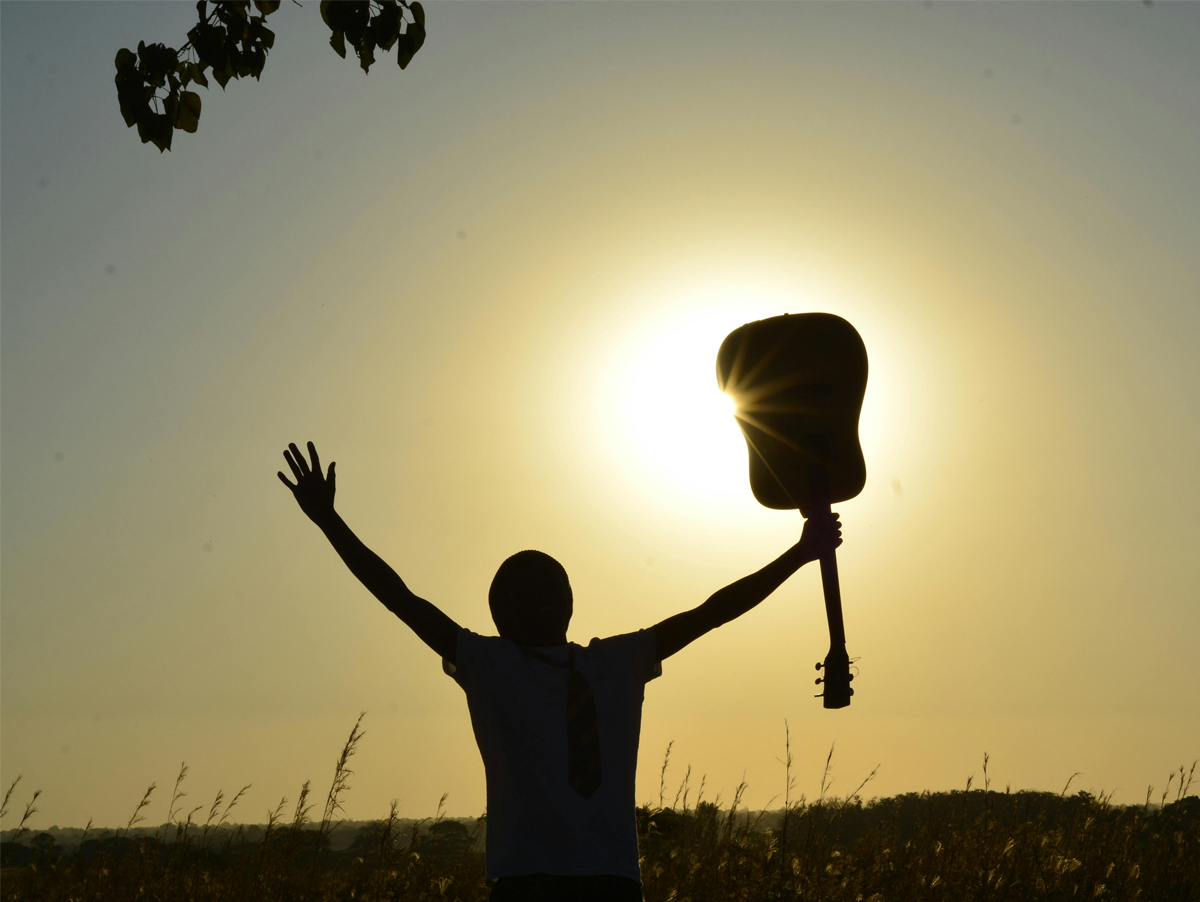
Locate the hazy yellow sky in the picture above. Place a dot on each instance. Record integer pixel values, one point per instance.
(492, 287)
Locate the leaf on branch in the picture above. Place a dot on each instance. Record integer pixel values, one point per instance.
(187, 112)
(155, 128)
(126, 59)
(337, 41)
(266, 7)
(131, 87)
(196, 74)
(385, 27)
(132, 102)
(232, 10)
(413, 37)
(223, 75)
(409, 43)
(155, 61)
(209, 43)
(353, 17)
(237, 61)
(255, 59)
(366, 55)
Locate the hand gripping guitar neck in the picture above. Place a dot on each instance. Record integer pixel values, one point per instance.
(798, 381)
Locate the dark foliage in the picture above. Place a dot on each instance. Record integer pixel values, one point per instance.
(230, 42)
(971, 845)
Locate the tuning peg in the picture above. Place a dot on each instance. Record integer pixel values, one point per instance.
(851, 691)
(818, 681)
(818, 665)
(851, 677)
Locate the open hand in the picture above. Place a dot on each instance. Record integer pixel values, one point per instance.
(312, 491)
(822, 534)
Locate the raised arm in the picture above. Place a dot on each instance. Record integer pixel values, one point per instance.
(314, 493)
(672, 634)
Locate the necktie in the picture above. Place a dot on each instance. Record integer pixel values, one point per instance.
(583, 740)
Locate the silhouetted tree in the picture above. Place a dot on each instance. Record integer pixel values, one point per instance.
(450, 839)
(231, 42)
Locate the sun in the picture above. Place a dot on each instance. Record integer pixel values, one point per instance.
(676, 418)
(666, 423)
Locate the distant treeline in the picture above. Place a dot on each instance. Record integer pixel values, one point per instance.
(67, 840)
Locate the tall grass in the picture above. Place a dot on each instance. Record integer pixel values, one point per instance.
(973, 844)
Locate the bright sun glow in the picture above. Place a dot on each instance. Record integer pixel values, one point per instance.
(670, 433)
(667, 423)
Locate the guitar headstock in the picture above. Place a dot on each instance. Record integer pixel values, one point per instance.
(837, 678)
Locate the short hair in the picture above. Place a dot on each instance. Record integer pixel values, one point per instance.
(517, 580)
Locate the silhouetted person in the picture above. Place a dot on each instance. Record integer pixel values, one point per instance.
(557, 723)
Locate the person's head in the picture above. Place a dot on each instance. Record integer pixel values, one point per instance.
(531, 599)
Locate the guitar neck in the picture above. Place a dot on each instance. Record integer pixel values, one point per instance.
(833, 600)
(829, 572)
(837, 663)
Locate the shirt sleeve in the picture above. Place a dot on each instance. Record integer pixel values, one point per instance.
(635, 652)
(464, 650)
(648, 652)
(478, 659)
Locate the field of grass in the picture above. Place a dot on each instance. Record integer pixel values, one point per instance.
(975, 844)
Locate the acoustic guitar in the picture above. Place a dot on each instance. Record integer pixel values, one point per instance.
(798, 381)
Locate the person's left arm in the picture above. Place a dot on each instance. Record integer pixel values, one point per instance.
(820, 536)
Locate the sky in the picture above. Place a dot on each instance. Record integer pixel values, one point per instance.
(492, 287)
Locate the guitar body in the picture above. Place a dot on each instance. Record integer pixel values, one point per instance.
(798, 381)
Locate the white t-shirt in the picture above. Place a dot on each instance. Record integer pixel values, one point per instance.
(536, 823)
